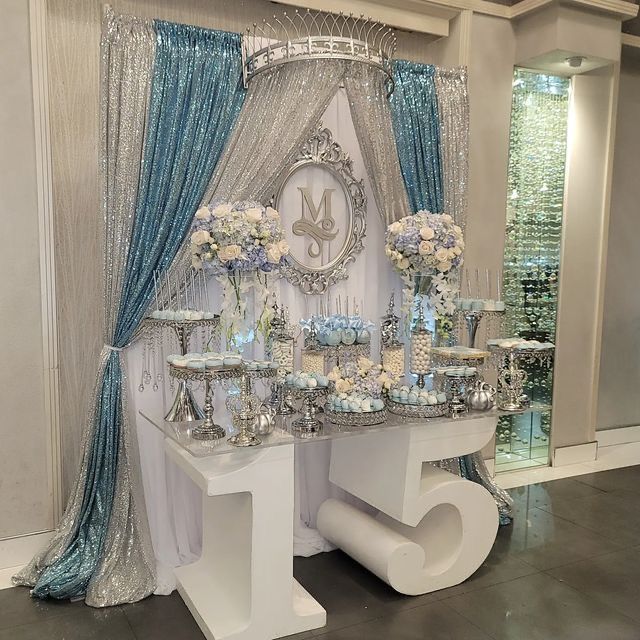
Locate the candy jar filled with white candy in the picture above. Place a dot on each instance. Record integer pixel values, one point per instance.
(312, 357)
(421, 341)
(391, 349)
(281, 343)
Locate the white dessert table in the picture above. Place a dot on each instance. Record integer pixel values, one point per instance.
(433, 529)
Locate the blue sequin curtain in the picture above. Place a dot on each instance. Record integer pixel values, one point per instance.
(414, 109)
(195, 97)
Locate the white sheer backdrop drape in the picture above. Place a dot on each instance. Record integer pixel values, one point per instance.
(173, 501)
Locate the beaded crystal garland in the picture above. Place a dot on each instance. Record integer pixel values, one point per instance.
(537, 151)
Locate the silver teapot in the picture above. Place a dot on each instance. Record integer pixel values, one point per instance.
(481, 396)
(265, 420)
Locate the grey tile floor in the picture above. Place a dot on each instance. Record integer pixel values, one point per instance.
(567, 569)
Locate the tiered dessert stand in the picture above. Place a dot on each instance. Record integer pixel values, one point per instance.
(209, 430)
(184, 407)
(511, 378)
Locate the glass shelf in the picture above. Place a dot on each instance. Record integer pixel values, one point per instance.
(180, 432)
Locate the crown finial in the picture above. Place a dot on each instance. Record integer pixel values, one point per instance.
(349, 37)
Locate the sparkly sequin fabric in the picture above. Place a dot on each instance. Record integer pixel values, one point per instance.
(281, 110)
(170, 96)
(416, 124)
(283, 107)
(453, 113)
(371, 115)
(76, 562)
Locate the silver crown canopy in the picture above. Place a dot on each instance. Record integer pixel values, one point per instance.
(311, 35)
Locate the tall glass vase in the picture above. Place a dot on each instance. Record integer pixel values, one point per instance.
(245, 312)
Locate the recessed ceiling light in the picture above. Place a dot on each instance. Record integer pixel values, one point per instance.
(575, 61)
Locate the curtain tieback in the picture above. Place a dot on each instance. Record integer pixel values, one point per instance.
(108, 347)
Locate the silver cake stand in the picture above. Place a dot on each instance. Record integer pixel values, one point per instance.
(307, 425)
(511, 378)
(343, 352)
(184, 407)
(209, 430)
(472, 321)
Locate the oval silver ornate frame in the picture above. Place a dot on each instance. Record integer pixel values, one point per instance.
(321, 149)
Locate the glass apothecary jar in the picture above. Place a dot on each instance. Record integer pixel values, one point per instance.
(393, 358)
(420, 346)
(282, 351)
(391, 349)
(312, 361)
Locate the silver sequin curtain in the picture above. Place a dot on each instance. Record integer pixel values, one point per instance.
(453, 109)
(126, 569)
(367, 91)
(281, 109)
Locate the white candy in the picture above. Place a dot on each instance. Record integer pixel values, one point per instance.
(420, 361)
(313, 361)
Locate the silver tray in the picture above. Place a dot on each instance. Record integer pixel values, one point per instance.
(417, 410)
(161, 322)
(223, 373)
(352, 419)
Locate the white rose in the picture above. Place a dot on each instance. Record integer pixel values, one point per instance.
(253, 215)
(196, 263)
(273, 253)
(403, 264)
(457, 250)
(444, 266)
(272, 214)
(200, 237)
(230, 252)
(334, 374)
(442, 254)
(425, 248)
(457, 230)
(203, 213)
(426, 233)
(222, 210)
(343, 386)
(283, 245)
(394, 228)
(446, 217)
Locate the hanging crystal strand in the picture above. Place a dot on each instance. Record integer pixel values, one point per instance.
(154, 362)
(147, 372)
(160, 349)
(144, 357)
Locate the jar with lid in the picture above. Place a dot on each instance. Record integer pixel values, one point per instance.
(420, 346)
(312, 360)
(391, 348)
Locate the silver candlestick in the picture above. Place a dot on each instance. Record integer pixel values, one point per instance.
(244, 417)
(308, 425)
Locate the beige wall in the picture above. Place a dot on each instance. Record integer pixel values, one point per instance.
(25, 493)
(582, 265)
(619, 398)
(491, 59)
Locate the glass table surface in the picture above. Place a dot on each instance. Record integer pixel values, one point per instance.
(180, 432)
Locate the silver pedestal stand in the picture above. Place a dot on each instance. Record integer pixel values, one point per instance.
(511, 378)
(307, 425)
(281, 399)
(245, 406)
(472, 321)
(184, 407)
(208, 430)
(343, 352)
